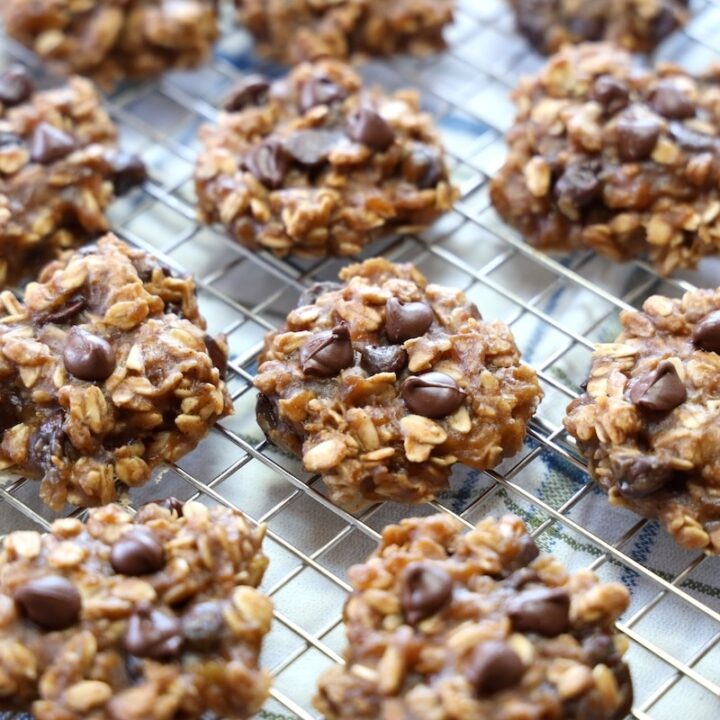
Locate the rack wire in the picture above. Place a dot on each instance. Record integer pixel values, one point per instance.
(557, 307)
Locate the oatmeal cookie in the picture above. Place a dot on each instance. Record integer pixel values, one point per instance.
(114, 39)
(292, 31)
(60, 168)
(145, 618)
(623, 161)
(637, 25)
(648, 421)
(479, 626)
(105, 371)
(384, 382)
(316, 164)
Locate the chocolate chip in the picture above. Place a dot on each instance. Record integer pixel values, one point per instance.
(266, 413)
(146, 266)
(522, 577)
(217, 354)
(72, 308)
(319, 91)
(202, 625)
(494, 666)
(311, 294)
(312, 147)
(598, 649)
(137, 552)
(383, 358)
(527, 552)
(671, 101)
(612, 93)
(87, 356)
(128, 171)
(541, 610)
(432, 394)
(170, 503)
(52, 602)
(326, 353)
(10, 410)
(369, 128)
(706, 335)
(250, 91)
(49, 144)
(637, 134)
(579, 185)
(533, 26)
(423, 167)
(586, 27)
(406, 320)
(623, 681)
(9, 138)
(662, 25)
(660, 390)
(16, 86)
(269, 163)
(641, 476)
(153, 634)
(690, 139)
(426, 589)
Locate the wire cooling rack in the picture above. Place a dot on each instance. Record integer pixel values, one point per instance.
(557, 307)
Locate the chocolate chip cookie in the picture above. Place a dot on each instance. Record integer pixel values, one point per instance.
(383, 382)
(141, 618)
(648, 420)
(316, 164)
(60, 168)
(114, 39)
(105, 371)
(621, 160)
(292, 31)
(636, 25)
(477, 626)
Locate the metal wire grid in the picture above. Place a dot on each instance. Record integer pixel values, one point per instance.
(310, 541)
